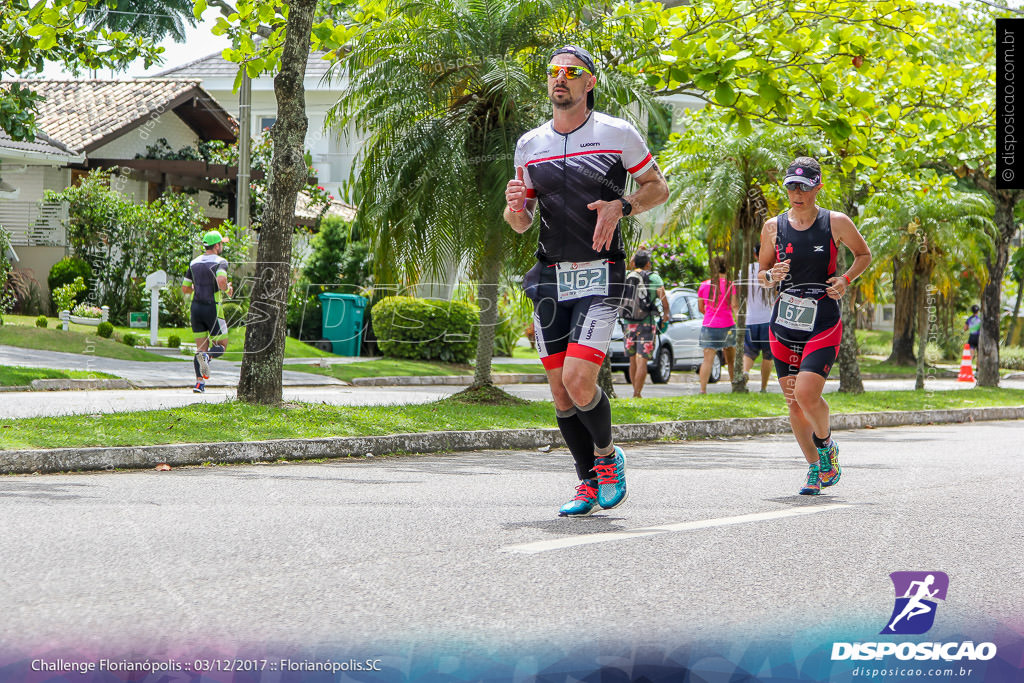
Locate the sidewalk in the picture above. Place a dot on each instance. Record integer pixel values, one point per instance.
(151, 375)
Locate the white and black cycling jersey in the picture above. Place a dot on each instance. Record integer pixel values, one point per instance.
(565, 172)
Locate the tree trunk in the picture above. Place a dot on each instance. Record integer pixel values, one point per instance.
(752, 215)
(991, 294)
(487, 299)
(923, 310)
(991, 299)
(903, 321)
(1012, 331)
(262, 363)
(849, 369)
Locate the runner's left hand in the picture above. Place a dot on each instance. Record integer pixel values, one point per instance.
(608, 215)
(836, 287)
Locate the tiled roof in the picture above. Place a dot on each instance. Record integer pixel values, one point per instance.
(215, 66)
(84, 114)
(304, 208)
(43, 144)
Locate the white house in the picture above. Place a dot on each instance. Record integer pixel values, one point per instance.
(332, 150)
(103, 124)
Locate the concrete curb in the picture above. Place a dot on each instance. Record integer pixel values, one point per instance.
(70, 459)
(80, 384)
(448, 380)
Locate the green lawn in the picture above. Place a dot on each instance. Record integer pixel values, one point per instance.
(293, 348)
(50, 339)
(880, 367)
(17, 376)
(391, 367)
(235, 421)
(524, 352)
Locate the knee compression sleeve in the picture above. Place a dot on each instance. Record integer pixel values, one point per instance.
(216, 351)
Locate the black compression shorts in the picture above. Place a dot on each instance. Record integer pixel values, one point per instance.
(578, 328)
(813, 350)
(204, 319)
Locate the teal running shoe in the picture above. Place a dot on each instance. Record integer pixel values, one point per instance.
(584, 502)
(611, 479)
(812, 486)
(830, 471)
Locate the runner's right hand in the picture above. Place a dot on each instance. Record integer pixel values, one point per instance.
(780, 270)
(515, 191)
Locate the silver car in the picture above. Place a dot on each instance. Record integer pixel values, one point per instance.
(677, 348)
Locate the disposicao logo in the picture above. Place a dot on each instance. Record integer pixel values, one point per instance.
(917, 596)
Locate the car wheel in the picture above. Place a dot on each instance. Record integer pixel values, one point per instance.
(625, 373)
(662, 369)
(716, 368)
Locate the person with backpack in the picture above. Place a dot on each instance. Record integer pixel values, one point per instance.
(717, 302)
(643, 287)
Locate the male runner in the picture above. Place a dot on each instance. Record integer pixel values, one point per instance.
(207, 276)
(798, 253)
(575, 168)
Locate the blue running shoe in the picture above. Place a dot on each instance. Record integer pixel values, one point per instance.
(812, 486)
(830, 471)
(584, 502)
(199, 388)
(611, 479)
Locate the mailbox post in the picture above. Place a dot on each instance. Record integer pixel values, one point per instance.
(154, 282)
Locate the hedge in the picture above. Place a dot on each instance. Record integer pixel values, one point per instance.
(426, 329)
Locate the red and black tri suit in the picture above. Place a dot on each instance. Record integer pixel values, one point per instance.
(812, 261)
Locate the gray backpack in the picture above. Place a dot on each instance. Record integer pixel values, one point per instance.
(637, 302)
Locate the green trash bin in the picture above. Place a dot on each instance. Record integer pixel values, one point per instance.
(343, 322)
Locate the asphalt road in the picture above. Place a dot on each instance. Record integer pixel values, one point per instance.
(466, 549)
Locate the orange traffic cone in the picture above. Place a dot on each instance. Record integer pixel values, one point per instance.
(966, 371)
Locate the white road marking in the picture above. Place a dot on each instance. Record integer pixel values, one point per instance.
(609, 536)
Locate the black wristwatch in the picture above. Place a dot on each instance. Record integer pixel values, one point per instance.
(627, 208)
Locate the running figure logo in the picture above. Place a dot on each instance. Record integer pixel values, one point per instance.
(916, 594)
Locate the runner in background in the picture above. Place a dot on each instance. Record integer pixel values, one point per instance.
(206, 278)
(798, 254)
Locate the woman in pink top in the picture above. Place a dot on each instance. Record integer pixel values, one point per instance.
(717, 302)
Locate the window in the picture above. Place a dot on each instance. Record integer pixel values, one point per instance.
(266, 122)
(679, 307)
(693, 302)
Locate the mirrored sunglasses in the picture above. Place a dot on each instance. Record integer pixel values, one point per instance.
(571, 72)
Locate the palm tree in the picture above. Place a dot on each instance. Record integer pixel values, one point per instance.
(444, 90)
(928, 240)
(717, 176)
(153, 19)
